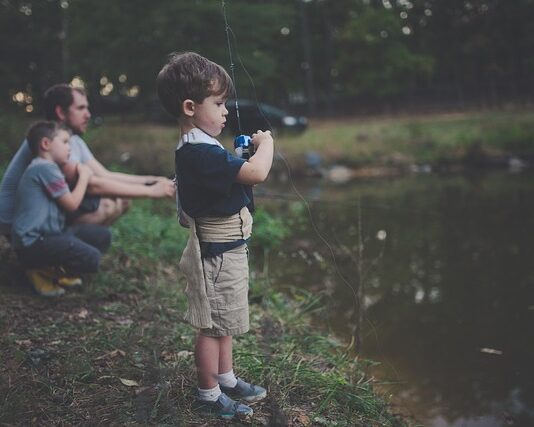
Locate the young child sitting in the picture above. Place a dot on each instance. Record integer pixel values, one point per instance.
(214, 192)
(53, 254)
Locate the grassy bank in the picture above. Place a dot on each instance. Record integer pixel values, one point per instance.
(439, 140)
(433, 139)
(116, 352)
(442, 140)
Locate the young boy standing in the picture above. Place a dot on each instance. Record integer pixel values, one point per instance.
(52, 253)
(214, 192)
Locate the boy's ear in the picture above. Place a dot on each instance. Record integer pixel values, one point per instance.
(188, 107)
(60, 114)
(44, 144)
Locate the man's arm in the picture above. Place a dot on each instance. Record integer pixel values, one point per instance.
(110, 187)
(258, 166)
(101, 171)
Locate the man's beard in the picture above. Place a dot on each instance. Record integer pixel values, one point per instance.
(75, 131)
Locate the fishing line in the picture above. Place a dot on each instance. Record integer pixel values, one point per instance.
(232, 65)
(228, 31)
(355, 300)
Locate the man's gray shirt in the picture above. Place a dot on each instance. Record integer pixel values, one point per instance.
(37, 212)
(79, 153)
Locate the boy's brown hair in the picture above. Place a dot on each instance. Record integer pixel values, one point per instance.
(40, 130)
(189, 75)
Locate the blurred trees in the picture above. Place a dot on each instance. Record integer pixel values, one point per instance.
(328, 54)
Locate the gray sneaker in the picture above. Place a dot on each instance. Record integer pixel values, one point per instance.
(223, 407)
(245, 391)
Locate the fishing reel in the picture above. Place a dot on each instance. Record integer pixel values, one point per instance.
(244, 148)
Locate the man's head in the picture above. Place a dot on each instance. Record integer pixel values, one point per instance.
(67, 105)
(190, 76)
(49, 140)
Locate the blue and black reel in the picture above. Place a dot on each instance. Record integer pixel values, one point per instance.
(244, 148)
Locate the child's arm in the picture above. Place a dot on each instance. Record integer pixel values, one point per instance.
(71, 201)
(258, 166)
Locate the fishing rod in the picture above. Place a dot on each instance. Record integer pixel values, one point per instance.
(244, 139)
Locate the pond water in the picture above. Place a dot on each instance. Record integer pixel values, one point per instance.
(448, 266)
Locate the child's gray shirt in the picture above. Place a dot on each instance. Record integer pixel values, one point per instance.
(79, 153)
(37, 212)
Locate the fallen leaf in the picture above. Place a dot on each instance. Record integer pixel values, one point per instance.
(129, 383)
(83, 313)
(184, 353)
(124, 321)
(303, 419)
(112, 354)
(116, 353)
(24, 343)
(490, 351)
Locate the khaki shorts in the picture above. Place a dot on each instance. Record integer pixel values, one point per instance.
(226, 277)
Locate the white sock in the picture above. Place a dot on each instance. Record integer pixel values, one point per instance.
(210, 394)
(228, 379)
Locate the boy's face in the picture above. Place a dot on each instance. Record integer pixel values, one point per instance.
(210, 115)
(59, 147)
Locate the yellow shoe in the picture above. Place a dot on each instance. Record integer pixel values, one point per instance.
(68, 281)
(62, 278)
(43, 282)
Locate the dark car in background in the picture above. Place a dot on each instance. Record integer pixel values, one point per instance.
(254, 116)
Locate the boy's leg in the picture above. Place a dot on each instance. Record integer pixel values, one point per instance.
(234, 387)
(210, 399)
(61, 250)
(92, 234)
(207, 361)
(225, 355)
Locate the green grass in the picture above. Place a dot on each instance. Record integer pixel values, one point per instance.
(425, 139)
(374, 141)
(117, 352)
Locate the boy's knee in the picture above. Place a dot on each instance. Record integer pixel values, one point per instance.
(92, 260)
(104, 239)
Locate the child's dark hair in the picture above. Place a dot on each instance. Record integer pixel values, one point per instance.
(59, 95)
(40, 130)
(189, 75)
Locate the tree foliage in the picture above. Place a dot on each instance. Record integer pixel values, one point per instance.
(296, 51)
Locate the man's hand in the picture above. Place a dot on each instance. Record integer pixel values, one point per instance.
(261, 137)
(163, 188)
(151, 180)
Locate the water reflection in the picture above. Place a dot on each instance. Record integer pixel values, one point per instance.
(450, 302)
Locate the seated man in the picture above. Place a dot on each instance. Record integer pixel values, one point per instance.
(106, 191)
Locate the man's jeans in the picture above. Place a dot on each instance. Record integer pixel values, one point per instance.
(77, 250)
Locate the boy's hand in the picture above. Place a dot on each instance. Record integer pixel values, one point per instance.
(163, 188)
(261, 137)
(84, 170)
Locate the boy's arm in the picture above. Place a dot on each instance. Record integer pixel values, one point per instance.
(99, 170)
(104, 186)
(71, 201)
(258, 166)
